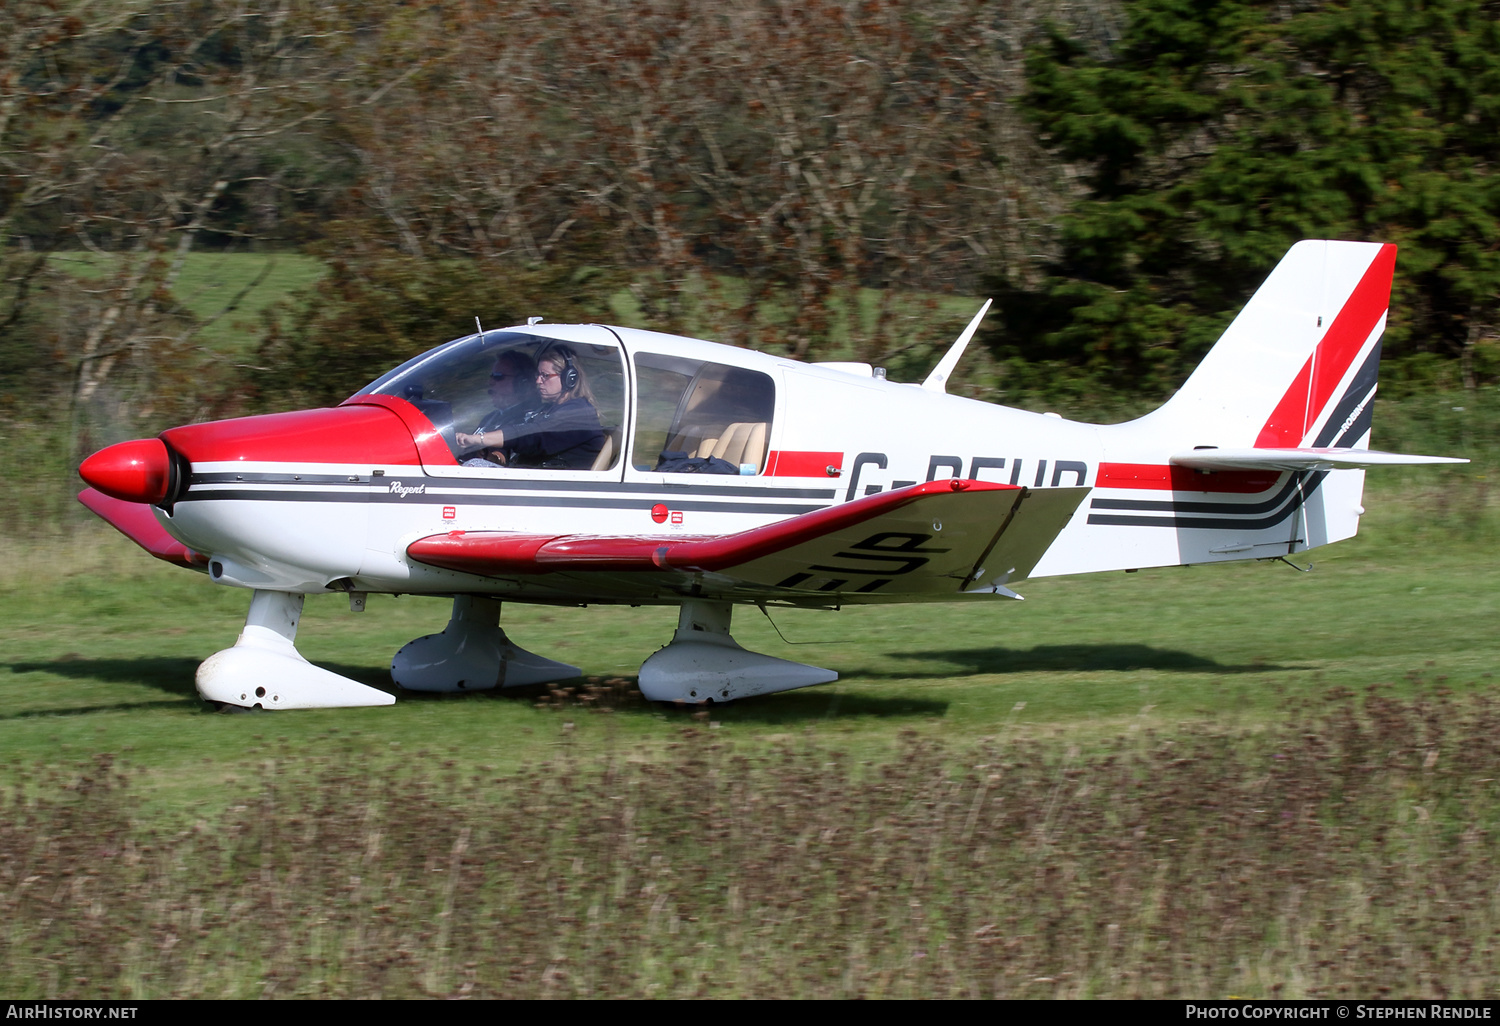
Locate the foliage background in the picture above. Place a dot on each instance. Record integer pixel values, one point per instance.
(823, 180)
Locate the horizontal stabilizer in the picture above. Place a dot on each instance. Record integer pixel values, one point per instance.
(934, 539)
(1300, 459)
(136, 521)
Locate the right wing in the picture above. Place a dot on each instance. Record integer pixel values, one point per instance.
(936, 539)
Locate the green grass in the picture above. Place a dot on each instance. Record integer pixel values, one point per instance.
(101, 645)
(211, 281)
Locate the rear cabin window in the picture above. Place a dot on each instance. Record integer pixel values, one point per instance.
(698, 417)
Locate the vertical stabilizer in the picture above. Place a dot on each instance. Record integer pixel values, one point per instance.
(1298, 366)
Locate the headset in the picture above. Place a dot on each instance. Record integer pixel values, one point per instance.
(569, 375)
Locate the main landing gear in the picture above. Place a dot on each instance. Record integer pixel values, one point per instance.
(473, 654)
(701, 663)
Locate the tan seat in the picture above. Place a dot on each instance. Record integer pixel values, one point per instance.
(606, 455)
(741, 443)
(738, 443)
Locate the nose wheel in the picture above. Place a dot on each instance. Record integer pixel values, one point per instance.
(264, 670)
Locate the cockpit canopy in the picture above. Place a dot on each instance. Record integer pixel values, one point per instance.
(451, 385)
(691, 415)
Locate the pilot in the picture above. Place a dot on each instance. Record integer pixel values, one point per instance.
(564, 433)
(512, 389)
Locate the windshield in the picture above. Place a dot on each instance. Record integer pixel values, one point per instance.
(517, 399)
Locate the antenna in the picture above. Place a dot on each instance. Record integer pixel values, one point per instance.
(937, 381)
(477, 326)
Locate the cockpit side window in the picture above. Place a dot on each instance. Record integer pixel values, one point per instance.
(699, 417)
(519, 400)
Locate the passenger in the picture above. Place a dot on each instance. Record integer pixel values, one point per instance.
(512, 389)
(564, 434)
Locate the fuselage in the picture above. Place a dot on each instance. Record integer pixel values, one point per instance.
(334, 497)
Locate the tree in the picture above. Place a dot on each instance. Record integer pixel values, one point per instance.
(1218, 132)
(756, 163)
(123, 126)
(377, 308)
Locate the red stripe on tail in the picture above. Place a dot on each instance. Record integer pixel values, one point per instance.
(1299, 408)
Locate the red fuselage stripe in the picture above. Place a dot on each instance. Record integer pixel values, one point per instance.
(1167, 478)
(789, 463)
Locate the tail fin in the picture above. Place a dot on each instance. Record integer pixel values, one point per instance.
(1241, 462)
(1298, 366)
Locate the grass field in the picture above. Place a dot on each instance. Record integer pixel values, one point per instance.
(101, 638)
(1208, 781)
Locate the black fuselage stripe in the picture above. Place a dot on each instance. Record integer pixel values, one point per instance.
(478, 485)
(1165, 506)
(1221, 523)
(1361, 387)
(441, 499)
(1360, 390)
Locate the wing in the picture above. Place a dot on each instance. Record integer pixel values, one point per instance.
(136, 521)
(1299, 459)
(932, 540)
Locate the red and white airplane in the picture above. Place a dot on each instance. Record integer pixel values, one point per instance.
(782, 484)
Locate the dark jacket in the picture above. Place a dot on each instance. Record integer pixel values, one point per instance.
(559, 436)
(508, 421)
